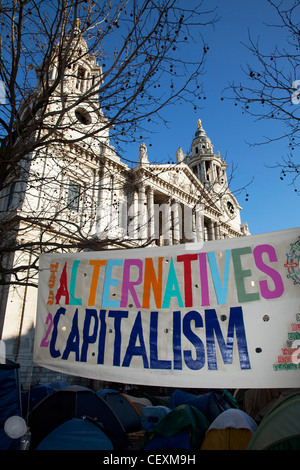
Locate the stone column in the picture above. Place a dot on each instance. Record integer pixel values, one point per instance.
(202, 171)
(54, 71)
(151, 214)
(133, 216)
(142, 214)
(210, 230)
(199, 235)
(103, 210)
(166, 222)
(176, 222)
(216, 231)
(212, 170)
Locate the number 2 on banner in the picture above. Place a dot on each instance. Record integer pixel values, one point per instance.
(45, 342)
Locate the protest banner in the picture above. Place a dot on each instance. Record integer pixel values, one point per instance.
(224, 314)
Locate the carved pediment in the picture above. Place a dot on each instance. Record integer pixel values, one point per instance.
(181, 178)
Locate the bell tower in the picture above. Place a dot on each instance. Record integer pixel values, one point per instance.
(83, 74)
(207, 166)
(78, 90)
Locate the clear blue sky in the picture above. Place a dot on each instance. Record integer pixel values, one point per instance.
(272, 205)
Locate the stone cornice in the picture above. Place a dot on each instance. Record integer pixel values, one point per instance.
(148, 171)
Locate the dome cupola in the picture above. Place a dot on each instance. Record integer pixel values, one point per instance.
(201, 143)
(207, 166)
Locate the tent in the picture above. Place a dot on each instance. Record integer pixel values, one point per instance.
(139, 402)
(32, 397)
(257, 400)
(265, 410)
(151, 415)
(280, 428)
(58, 384)
(184, 427)
(231, 430)
(76, 434)
(10, 401)
(123, 407)
(74, 402)
(211, 404)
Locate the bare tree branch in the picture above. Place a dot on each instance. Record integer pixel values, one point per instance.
(271, 89)
(53, 170)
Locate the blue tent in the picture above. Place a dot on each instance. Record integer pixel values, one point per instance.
(58, 384)
(122, 406)
(211, 404)
(151, 415)
(74, 402)
(10, 401)
(32, 397)
(76, 434)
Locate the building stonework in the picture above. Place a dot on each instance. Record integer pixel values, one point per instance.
(88, 189)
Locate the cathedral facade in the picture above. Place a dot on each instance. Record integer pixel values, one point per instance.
(89, 198)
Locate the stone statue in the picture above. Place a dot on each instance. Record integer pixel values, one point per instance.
(180, 155)
(143, 157)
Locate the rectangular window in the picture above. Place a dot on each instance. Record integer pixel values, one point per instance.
(11, 195)
(80, 78)
(73, 196)
(122, 213)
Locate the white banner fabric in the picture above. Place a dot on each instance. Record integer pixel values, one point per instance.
(224, 314)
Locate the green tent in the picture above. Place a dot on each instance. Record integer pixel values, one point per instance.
(183, 427)
(280, 428)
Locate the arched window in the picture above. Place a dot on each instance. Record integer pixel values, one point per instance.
(81, 76)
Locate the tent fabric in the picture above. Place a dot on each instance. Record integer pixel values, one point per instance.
(227, 439)
(180, 440)
(10, 401)
(185, 419)
(236, 419)
(32, 397)
(76, 434)
(74, 402)
(104, 392)
(280, 427)
(139, 402)
(127, 413)
(151, 415)
(293, 443)
(282, 395)
(57, 385)
(211, 404)
(231, 430)
(256, 400)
